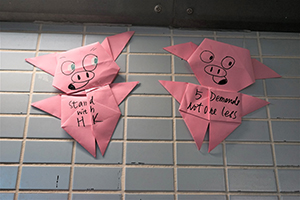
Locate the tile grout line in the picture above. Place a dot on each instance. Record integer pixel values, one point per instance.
(175, 183)
(18, 181)
(269, 122)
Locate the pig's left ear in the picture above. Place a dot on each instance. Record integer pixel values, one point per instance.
(184, 50)
(261, 71)
(114, 45)
(46, 63)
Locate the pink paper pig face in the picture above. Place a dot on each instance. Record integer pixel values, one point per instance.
(83, 68)
(221, 65)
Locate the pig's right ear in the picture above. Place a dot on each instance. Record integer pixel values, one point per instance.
(184, 50)
(46, 63)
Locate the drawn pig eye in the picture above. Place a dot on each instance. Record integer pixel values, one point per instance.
(67, 67)
(227, 62)
(90, 62)
(207, 56)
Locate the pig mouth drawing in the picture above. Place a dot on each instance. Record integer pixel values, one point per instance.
(218, 72)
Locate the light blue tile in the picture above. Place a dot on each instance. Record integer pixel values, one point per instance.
(121, 78)
(181, 66)
(188, 154)
(10, 151)
(200, 180)
(45, 127)
(89, 39)
(60, 42)
(149, 179)
(113, 154)
(287, 155)
(43, 83)
(284, 108)
(286, 131)
(8, 176)
(121, 62)
(291, 197)
(14, 103)
(149, 84)
(87, 196)
(235, 33)
(283, 87)
(182, 132)
(62, 28)
(188, 79)
(18, 26)
(7, 196)
(284, 66)
(39, 97)
(289, 180)
(177, 113)
(146, 153)
(256, 89)
(45, 178)
(48, 152)
(251, 180)
(149, 129)
(21, 41)
(250, 131)
(149, 106)
(95, 178)
(252, 197)
(192, 32)
(12, 127)
(257, 114)
(150, 63)
(15, 60)
(250, 44)
(280, 47)
(278, 34)
(44, 196)
(247, 154)
(119, 130)
(144, 44)
(200, 197)
(185, 39)
(15, 82)
(105, 29)
(148, 197)
(149, 30)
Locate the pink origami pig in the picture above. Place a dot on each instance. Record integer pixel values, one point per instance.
(89, 110)
(222, 70)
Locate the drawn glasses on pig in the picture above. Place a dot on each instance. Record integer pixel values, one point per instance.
(80, 78)
(218, 72)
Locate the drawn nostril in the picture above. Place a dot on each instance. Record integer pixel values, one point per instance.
(87, 75)
(211, 69)
(218, 71)
(78, 77)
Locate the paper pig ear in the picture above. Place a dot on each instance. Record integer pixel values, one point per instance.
(261, 71)
(184, 50)
(46, 63)
(114, 45)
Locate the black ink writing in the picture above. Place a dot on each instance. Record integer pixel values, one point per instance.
(80, 120)
(230, 114)
(218, 98)
(76, 104)
(198, 94)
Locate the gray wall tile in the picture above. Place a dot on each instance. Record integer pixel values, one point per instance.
(282, 47)
(113, 154)
(252, 197)
(183, 39)
(87, 196)
(259, 114)
(10, 40)
(45, 178)
(188, 154)
(62, 28)
(290, 89)
(7, 196)
(149, 129)
(150, 30)
(61, 42)
(15, 82)
(44, 196)
(43, 83)
(39, 97)
(8, 176)
(105, 29)
(48, 152)
(145, 44)
(289, 180)
(181, 66)
(200, 197)
(256, 89)
(149, 64)
(22, 26)
(200, 179)
(286, 131)
(89, 39)
(150, 179)
(247, 154)
(251, 180)
(284, 66)
(189, 79)
(95, 178)
(10, 151)
(250, 44)
(284, 108)
(148, 197)
(149, 106)
(15, 60)
(14, 103)
(149, 84)
(146, 153)
(121, 62)
(287, 155)
(12, 127)
(292, 197)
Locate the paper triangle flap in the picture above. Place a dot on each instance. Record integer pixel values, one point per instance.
(46, 63)
(50, 105)
(261, 71)
(176, 89)
(250, 104)
(121, 90)
(183, 51)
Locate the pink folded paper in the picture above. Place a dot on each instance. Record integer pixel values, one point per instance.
(222, 70)
(89, 110)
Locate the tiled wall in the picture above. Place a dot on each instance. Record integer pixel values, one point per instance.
(151, 155)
